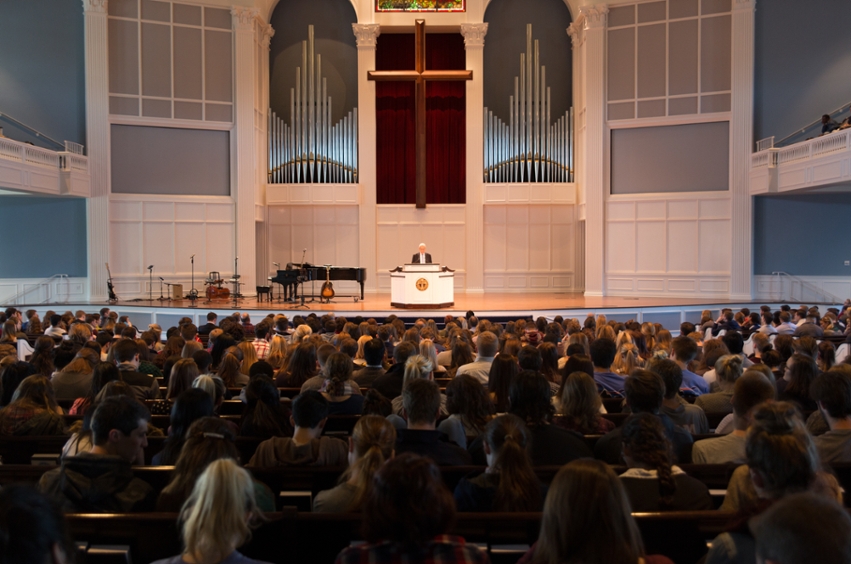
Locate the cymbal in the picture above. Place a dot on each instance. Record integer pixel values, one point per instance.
(236, 276)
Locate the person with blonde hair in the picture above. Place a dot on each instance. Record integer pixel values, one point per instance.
(428, 350)
(218, 516)
(249, 356)
(370, 446)
(728, 369)
(230, 373)
(580, 406)
(587, 518)
(277, 352)
(360, 360)
(417, 367)
(626, 360)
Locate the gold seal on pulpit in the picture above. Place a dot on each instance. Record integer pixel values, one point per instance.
(422, 284)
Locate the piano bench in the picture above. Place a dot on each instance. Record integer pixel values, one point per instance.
(261, 291)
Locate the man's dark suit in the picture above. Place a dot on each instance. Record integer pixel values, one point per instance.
(416, 258)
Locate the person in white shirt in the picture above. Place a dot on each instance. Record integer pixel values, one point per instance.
(487, 345)
(421, 257)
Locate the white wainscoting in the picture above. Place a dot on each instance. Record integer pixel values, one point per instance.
(806, 289)
(677, 245)
(165, 232)
(58, 290)
(401, 228)
(329, 234)
(312, 194)
(545, 193)
(530, 248)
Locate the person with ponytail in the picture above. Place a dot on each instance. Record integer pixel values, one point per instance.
(370, 446)
(218, 516)
(509, 483)
(652, 483)
(341, 391)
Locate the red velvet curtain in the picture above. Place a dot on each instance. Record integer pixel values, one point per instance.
(445, 122)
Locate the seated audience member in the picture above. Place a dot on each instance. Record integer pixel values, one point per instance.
(9, 339)
(469, 408)
(509, 483)
(343, 394)
(33, 411)
(652, 483)
(33, 529)
(188, 407)
(370, 446)
(11, 377)
(307, 447)
(264, 416)
(750, 390)
(726, 322)
(406, 518)
(461, 355)
(810, 327)
(126, 354)
(75, 380)
(587, 519)
(390, 383)
(803, 528)
(551, 445)
(782, 460)
(736, 344)
(262, 338)
(421, 402)
(417, 367)
(101, 480)
(55, 329)
(828, 124)
(218, 516)
(102, 374)
(210, 325)
(603, 353)
(207, 439)
(688, 416)
(785, 327)
(580, 406)
(504, 370)
(626, 360)
(182, 374)
(644, 394)
(373, 353)
(486, 345)
(832, 393)
(42, 359)
(713, 349)
(795, 385)
(683, 351)
(728, 368)
(302, 367)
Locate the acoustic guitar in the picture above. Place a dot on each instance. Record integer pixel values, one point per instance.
(110, 288)
(327, 288)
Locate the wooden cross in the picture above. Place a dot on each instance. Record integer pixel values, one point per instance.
(420, 76)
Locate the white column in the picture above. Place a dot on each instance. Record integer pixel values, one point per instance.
(244, 189)
(474, 44)
(577, 41)
(97, 144)
(594, 18)
(264, 36)
(367, 36)
(741, 145)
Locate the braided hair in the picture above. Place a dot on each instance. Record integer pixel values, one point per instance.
(644, 437)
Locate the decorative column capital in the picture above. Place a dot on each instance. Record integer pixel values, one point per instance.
(474, 34)
(366, 34)
(594, 16)
(575, 30)
(744, 5)
(266, 34)
(243, 17)
(95, 6)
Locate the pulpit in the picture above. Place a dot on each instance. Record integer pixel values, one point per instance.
(424, 286)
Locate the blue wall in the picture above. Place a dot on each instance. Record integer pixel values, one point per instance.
(42, 84)
(44, 236)
(802, 235)
(803, 63)
(42, 80)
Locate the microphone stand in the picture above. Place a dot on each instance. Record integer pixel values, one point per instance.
(162, 298)
(151, 284)
(193, 293)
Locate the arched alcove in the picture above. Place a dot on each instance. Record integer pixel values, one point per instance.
(332, 22)
(506, 40)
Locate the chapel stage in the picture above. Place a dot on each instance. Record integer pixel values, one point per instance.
(491, 305)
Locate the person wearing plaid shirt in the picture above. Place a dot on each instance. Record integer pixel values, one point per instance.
(261, 342)
(406, 517)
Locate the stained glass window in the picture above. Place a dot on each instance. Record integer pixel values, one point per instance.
(420, 5)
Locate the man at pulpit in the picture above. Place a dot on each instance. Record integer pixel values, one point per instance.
(421, 257)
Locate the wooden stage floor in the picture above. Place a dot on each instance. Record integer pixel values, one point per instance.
(379, 305)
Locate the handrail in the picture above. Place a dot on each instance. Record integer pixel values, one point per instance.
(804, 284)
(34, 131)
(46, 282)
(811, 124)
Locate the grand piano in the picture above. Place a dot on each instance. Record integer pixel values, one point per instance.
(288, 278)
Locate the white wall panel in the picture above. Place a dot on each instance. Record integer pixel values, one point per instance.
(165, 231)
(671, 244)
(529, 248)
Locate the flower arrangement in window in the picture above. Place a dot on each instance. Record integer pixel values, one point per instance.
(420, 5)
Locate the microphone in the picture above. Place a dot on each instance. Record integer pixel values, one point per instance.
(161, 278)
(192, 257)
(151, 267)
(277, 264)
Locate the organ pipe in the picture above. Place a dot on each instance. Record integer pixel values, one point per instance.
(310, 149)
(530, 147)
